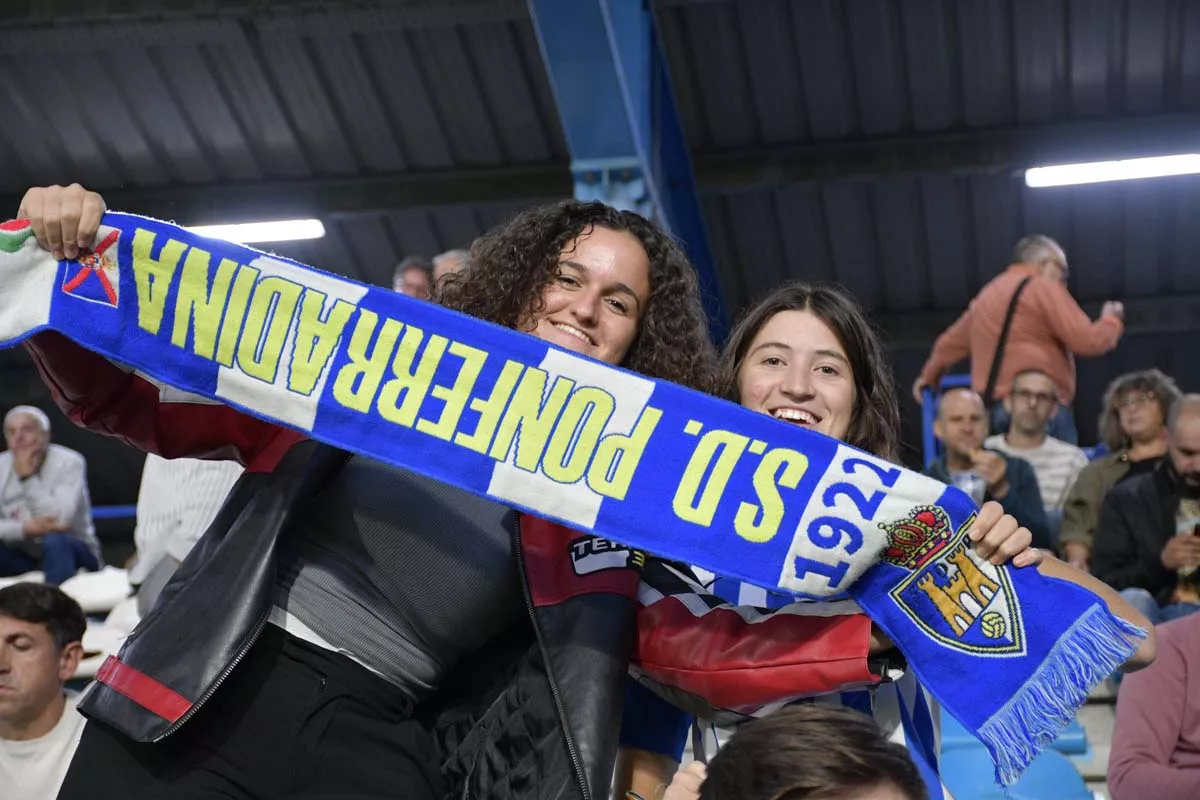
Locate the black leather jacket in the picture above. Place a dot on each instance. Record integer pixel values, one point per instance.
(554, 697)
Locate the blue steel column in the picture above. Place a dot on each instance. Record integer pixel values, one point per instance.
(613, 90)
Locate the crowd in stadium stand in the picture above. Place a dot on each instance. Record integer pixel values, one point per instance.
(358, 683)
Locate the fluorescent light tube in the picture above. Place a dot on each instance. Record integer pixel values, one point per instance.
(1100, 171)
(283, 230)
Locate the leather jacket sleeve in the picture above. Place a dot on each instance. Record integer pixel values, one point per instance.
(101, 396)
(709, 654)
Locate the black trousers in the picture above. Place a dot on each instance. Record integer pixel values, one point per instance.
(291, 721)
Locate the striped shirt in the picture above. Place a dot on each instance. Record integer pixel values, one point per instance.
(177, 500)
(1056, 463)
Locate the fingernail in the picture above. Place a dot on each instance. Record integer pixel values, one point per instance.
(72, 251)
(57, 253)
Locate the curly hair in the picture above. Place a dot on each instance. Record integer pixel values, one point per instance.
(509, 267)
(1150, 380)
(875, 424)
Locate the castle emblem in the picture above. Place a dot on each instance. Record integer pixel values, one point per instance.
(954, 596)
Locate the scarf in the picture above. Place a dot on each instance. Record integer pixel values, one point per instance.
(639, 461)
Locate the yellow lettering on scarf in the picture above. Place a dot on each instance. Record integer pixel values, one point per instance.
(358, 380)
(235, 313)
(266, 328)
(748, 523)
(690, 503)
(489, 410)
(152, 276)
(455, 397)
(618, 455)
(533, 417)
(197, 307)
(315, 339)
(413, 384)
(577, 433)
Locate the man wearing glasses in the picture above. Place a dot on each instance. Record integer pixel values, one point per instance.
(1032, 402)
(1046, 329)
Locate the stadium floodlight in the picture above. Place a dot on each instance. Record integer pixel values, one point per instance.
(283, 230)
(1125, 170)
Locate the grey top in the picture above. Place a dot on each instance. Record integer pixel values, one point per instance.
(407, 574)
(58, 488)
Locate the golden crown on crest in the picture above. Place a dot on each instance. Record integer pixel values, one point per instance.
(918, 538)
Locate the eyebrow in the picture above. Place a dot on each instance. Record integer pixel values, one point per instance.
(621, 287)
(826, 353)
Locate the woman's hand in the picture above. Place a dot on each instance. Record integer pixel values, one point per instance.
(64, 218)
(999, 538)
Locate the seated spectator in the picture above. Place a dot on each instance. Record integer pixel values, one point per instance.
(177, 500)
(961, 426)
(411, 278)
(41, 630)
(1156, 742)
(448, 263)
(45, 512)
(804, 753)
(1133, 426)
(1146, 543)
(1048, 329)
(1031, 403)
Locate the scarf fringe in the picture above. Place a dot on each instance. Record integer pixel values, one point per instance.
(1087, 653)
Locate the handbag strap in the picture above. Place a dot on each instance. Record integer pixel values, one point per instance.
(994, 374)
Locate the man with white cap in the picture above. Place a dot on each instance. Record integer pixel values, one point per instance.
(45, 511)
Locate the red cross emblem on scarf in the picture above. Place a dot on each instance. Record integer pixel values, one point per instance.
(93, 276)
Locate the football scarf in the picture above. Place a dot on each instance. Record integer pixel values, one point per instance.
(639, 461)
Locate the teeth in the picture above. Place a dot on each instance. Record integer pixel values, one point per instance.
(795, 415)
(578, 334)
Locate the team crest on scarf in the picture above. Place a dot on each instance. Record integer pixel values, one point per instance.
(960, 601)
(94, 276)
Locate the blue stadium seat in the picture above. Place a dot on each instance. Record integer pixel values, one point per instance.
(1072, 741)
(968, 773)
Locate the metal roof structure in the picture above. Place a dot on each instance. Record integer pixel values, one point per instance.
(879, 143)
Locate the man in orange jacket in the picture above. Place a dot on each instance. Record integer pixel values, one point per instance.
(1048, 330)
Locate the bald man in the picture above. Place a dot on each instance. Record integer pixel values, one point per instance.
(961, 426)
(1146, 543)
(1048, 331)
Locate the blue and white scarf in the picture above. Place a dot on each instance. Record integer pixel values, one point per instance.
(643, 462)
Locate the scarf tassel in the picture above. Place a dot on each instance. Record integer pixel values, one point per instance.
(1087, 653)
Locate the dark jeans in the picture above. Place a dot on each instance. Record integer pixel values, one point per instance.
(62, 556)
(1061, 425)
(292, 720)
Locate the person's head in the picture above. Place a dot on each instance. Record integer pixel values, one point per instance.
(1044, 255)
(587, 277)
(448, 262)
(26, 429)
(41, 633)
(808, 355)
(1183, 440)
(812, 753)
(1135, 408)
(961, 422)
(411, 278)
(1032, 402)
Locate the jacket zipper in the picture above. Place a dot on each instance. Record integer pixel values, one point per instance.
(177, 724)
(562, 714)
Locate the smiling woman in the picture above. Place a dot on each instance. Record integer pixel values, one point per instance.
(808, 355)
(605, 283)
